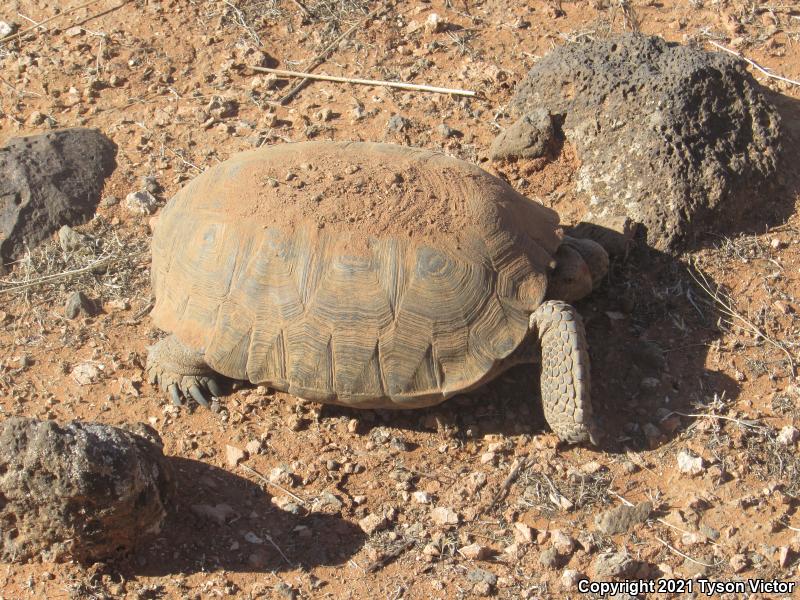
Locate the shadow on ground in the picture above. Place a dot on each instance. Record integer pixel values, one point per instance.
(221, 521)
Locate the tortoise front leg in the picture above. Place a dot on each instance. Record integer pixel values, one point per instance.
(180, 371)
(565, 372)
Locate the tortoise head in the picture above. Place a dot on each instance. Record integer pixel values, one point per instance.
(580, 265)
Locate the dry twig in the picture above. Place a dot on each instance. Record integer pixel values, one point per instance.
(389, 556)
(754, 64)
(726, 307)
(322, 56)
(750, 424)
(302, 8)
(270, 483)
(686, 556)
(274, 545)
(376, 82)
(17, 286)
(19, 34)
(516, 468)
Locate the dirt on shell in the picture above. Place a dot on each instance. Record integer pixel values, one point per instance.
(357, 190)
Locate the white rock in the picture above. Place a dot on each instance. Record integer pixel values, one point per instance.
(86, 373)
(689, 463)
(253, 538)
(434, 23)
(372, 523)
(474, 552)
(141, 202)
(563, 543)
(522, 533)
(570, 579)
(444, 516)
(488, 458)
(788, 435)
(423, 497)
(234, 455)
(6, 29)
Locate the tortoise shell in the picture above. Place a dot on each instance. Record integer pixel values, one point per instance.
(353, 273)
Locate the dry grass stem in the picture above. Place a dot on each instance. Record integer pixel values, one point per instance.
(270, 483)
(658, 519)
(322, 56)
(302, 8)
(754, 64)
(19, 34)
(686, 556)
(725, 304)
(517, 466)
(375, 82)
(274, 545)
(377, 565)
(18, 286)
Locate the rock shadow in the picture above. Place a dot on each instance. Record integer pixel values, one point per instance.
(220, 521)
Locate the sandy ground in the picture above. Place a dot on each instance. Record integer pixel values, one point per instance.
(681, 364)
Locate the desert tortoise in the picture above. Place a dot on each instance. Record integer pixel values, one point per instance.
(368, 275)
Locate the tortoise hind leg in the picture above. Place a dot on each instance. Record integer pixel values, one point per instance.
(181, 372)
(565, 372)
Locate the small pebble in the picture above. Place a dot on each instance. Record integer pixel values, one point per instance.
(69, 239)
(690, 464)
(7, 29)
(397, 123)
(444, 516)
(570, 579)
(77, 304)
(788, 435)
(372, 523)
(234, 455)
(141, 203)
(474, 552)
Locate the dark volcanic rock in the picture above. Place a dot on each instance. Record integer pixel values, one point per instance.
(674, 137)
(82, 491)
(622, 518)
(47, 181)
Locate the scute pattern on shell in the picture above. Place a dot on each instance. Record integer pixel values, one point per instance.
(402, 321)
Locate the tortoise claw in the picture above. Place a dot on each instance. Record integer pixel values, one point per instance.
(214, 388)
(198, 395)
(175, 395)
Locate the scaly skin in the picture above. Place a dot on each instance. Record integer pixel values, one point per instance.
(181, 372)
(565, 382)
